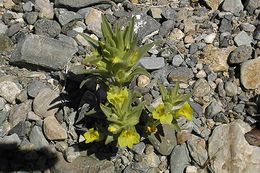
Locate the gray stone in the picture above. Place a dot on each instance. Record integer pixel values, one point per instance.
(251, 5)
(43, 51)
(72, 153)
(3, 117)
(213, 109)
(5, 43)
(47, 27)
(239, 108)
(152, 63)
(9, 90)
(2, 103)
(202, 88)
(197, 149)
(179, 159)
(166, 27)
(247, 27)
(225, 25)
(37, 138)
(68, 40)
(257, 32)
(164, 142)
(7, 17)
(156, 12)
(250, 74)
(64, 16)
(31, 17)
(233, 153)
(213, 4)
(177, 60)
(170, 13)
(45, 8)
(35, 87)
(233, 6)
(22, 97)
(93, 21)
(182, 74)
(139, 148)
(20, 112)
(79, 3)
(10, 142)
(240, 54)
(243, 39)
(46, 103)
(231, 88)
(53, 130)
(28, 6)
(13, 29)
(221, 118)
(3, 27)
(22, 129)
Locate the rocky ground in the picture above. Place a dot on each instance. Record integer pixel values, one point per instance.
(211, 45)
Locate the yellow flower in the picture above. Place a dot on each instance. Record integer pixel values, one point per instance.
(113, 128)
(152, 129)
(128, 138)
(185, 111)
(161, 114)
(91, 136)
(116, 60)
(117, 96)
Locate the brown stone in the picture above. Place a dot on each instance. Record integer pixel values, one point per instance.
(53, 130)
(250, 74)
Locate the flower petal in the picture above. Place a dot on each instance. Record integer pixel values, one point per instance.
(128, 138)
(185, 111)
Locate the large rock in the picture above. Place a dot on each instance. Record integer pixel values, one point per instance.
(233, 6)
(216, 58)
(47, 27)
(43, 51)
(240, 54)
(250, 74)
(93, 21)
(53, 130)
(213, 4)
(45, 8)
(37, 138)
(233, 154)
(9, 90)
(79, 3)
(64, 16)
(5, 43)
(179, 158)
(46, 103)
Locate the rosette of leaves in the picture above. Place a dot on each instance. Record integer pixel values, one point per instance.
(173, 106)
(116, 55)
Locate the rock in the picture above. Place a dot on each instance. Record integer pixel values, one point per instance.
(79, 3)
(139, 148)
(20, 112)
(8, 4)
(53, 130)
(250, 74)
(251, 5)
(253, 137)
(176, 34)
(243, 39)
(177, 60)
(233, 154)
(179, 159)
(93, 21)
(166, 27)
(183, 136)
(247, 27)
(143, 81)
(213, 4)
(2, 103)
(210, 38)
(13, 29)
(225, 25)
(152, 63)
(31, 17)
(182, 74)
(33, 117)
(45, 8)
(28, 6)
(5, 43)
(156, 12)
(42, 51)
(72, 153)
(10, 142)
(197, 149)
(35, 87)
(22, 97)
(64, 16)
(9, 90)
(83, 164)
(37, 138)
(46, 103)
(151, 160)
(231, 88)
(164, 142)
(257, 32)
(213, 109)
(3, 28)
(202, 88)
(240, 54)
(191, 169)
(221, 118)
(233, 6)
(211, 57)
(47, 27)
(22, 129)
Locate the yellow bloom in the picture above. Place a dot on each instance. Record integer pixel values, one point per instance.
(185, 111)
(117, 96)
(152, 129)
(91, 136)
(116, 60)
(101, 65)
(161, 114)
(128, 138)
(113, 128)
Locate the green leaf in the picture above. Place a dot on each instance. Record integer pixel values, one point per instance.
(107, 31)
(174, 90)
(150, 108)
(137, 71)
(129, 33)
(106, 110)
(143, 50)
(93, 42)
(163, 91)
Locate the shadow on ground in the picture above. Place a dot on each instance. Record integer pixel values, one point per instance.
(25, 160)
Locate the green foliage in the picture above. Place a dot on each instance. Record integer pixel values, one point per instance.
(117, 55)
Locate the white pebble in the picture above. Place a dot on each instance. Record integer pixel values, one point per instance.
(210, 38)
